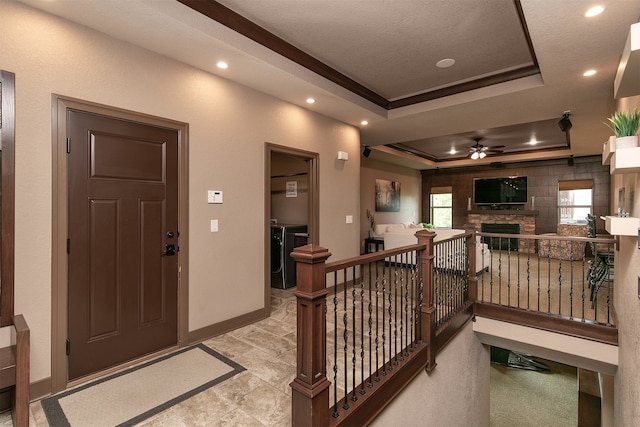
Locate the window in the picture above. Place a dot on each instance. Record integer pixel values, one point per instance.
(440, 201)
(575, 200)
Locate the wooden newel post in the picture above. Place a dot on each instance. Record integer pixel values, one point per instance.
(310, 388)
(471, 250)
(428, 309)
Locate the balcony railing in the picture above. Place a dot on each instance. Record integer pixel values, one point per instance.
(562, 284)
(368, 325)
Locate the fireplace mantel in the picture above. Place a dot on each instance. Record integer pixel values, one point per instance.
(503, 212)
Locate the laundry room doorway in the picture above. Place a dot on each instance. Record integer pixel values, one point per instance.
(291, 210)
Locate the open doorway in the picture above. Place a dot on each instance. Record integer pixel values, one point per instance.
(291, 210)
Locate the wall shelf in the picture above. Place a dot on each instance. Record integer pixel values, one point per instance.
(622, 226)
(626, 160)
(621, 160)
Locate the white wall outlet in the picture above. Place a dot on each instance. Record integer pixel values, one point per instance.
(214, 225)
(349, 219)
(214, 196)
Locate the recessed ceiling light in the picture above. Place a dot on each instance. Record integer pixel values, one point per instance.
(364, 123)
(310, 101)
(533, 141)
(452, 151)
(596, 10)
(445, 63)
(222, 65)
(589, 73)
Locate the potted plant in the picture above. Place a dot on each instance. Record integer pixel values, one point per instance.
(625, 127)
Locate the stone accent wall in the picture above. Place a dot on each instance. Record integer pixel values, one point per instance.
(525, 219)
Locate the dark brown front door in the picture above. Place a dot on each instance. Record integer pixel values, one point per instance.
(123, 219)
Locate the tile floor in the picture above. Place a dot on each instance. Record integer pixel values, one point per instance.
(259, 396)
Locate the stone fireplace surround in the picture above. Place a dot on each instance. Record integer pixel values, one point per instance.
(525, 219)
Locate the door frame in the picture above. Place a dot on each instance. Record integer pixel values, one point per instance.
(313, 209)
(59, 202)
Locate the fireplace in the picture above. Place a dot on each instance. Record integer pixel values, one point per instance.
(525, 220)
(501, 243)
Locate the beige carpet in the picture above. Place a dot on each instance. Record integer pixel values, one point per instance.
(142, 391)
(527, 398)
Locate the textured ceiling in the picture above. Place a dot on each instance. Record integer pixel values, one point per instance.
(392, 47)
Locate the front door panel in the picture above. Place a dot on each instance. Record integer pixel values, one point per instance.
(122, 216)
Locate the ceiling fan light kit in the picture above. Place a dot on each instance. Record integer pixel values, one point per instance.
(479, 151)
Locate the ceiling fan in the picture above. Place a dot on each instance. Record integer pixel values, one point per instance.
(479, 151)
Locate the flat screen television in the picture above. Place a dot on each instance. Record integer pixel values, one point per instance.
(500, 191)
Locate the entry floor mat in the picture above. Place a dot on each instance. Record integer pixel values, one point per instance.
(135, 394)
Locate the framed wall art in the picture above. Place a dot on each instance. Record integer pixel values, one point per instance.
(387, 196)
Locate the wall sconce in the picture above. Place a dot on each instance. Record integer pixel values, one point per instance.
(343, 155)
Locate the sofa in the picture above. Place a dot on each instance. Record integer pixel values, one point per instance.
(399, 235)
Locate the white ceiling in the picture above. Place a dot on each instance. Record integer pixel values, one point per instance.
(390, 50)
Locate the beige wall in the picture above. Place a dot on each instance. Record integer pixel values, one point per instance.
(626, 301)
(410, 193)
(456, 393)
(228, 127)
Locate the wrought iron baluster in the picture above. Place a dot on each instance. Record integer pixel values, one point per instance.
(404, 259)
(392, 312)
(528, 280)
(405, 307)
(361, 332)
(354, 303)
(582, 290)
(559, 287)
(370, 322)
(345, 335)
(335, 345)
(419, 306)
(508, 272)
(538, 286)
(385, 271)
(549, 280)
(377, 340)
(500, 272)
(414, 299)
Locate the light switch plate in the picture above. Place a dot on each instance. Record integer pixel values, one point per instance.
(214, 225)
(349, 219)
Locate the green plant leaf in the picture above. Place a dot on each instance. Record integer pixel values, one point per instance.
(624, 124)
